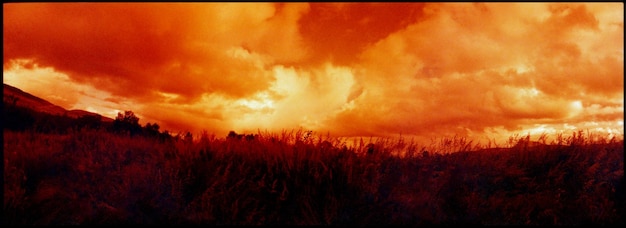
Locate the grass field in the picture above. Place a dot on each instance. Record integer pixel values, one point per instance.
(296, 178)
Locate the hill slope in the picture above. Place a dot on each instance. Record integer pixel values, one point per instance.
(13, 95)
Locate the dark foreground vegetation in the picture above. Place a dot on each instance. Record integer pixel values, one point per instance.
(90, 172)
(92, 176)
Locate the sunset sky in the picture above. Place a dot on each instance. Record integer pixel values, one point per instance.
(475, 70)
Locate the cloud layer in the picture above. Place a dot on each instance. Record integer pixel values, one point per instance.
(350, 69)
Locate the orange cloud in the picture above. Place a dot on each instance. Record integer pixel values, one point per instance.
(351, 69)
(461, 70)
(133, 49)
(338, 32)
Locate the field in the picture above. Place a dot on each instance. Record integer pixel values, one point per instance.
(92, 176)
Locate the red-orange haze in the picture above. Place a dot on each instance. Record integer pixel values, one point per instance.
(424, 70)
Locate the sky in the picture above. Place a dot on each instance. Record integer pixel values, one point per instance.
(482, 71)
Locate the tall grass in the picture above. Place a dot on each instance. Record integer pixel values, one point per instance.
(300, 178)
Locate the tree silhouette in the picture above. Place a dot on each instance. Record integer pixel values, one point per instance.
(188, 137)
(232, 135)
(127, 123)
(151, 130)
(128, 117)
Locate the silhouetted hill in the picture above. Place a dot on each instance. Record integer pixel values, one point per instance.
(15, 96)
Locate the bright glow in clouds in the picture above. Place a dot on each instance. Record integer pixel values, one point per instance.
(262, 102)
(422, 70)
(301, 99)
(30, 77)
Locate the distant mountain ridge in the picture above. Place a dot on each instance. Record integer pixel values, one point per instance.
(23, 99)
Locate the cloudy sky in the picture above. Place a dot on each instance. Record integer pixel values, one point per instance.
(484, 71)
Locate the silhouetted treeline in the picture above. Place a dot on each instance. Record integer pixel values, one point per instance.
(233, 135)
(18, 118)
